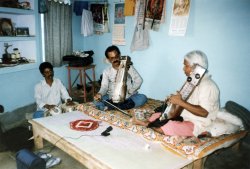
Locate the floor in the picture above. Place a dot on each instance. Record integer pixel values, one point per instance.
(226, 159)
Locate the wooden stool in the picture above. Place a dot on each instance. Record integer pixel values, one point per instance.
(83, 75)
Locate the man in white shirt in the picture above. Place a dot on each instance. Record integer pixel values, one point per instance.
(134, 81)
(50, 91)
(199, 110)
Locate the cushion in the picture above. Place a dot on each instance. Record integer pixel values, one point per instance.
(239, 111)
(228, 117)
(220, 127)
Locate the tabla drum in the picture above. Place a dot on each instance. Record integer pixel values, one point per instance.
(68, 108)
(52, 112)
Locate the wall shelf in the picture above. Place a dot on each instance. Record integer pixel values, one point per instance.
(17, 38)
(20, 67)
(17, 11)
(28, 46)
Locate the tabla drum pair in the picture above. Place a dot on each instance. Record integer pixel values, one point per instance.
(63, 108)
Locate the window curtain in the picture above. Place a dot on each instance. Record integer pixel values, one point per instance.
(57, 32)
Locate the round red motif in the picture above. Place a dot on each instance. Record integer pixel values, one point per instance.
(84, 125)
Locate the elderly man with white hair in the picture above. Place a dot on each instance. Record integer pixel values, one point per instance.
(199, 110)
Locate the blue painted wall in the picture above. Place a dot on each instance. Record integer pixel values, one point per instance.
(17, 88)
(220, 28)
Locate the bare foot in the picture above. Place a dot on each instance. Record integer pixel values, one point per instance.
(139, 122)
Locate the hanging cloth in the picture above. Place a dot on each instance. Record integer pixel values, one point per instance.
(140, 39)
(129, 8)
(42, 6)
(87, 27)
(79, 6)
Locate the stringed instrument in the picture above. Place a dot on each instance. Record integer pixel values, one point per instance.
(172, 110)
(120, 90)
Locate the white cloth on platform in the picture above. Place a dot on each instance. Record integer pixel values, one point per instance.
(121, 150)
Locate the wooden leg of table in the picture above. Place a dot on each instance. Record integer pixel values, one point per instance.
(199, 164)
(69, 81)
(84, 85)
(236, 146)
(93, 83)
(38, 140)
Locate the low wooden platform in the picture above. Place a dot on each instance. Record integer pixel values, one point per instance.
(121, 150)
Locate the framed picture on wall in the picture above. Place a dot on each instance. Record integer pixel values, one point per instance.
(22, 31)
(6, 27)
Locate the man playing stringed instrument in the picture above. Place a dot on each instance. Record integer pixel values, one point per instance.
(110, 82)
(198, 111)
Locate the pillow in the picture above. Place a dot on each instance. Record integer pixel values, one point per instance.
(228, 117)
(239, 111)
(220, 127)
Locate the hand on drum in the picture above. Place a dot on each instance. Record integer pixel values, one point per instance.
(49, 107)
(70, 103)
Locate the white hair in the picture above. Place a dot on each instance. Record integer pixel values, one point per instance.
(197, 57)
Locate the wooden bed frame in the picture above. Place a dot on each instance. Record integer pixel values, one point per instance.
(191, 160)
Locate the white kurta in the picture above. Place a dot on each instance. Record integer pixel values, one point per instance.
(45, 94)
(207, 95)
(134, 81)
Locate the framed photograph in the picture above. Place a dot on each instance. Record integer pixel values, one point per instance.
(6, 27)
(22, 31)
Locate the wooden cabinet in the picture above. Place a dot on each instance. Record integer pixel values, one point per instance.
(25, 36)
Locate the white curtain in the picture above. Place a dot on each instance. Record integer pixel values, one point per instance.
(58, 32)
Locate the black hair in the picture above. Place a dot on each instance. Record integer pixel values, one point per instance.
(45, 65)
(110, 49)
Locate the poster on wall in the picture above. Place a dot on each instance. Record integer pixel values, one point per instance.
(179, 17)
(100, 17)
(154, 14)
(129, 8)
(118, 36)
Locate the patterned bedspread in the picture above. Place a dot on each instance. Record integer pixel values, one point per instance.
(191, 147)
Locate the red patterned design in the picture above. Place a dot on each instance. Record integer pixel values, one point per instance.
(84, 125)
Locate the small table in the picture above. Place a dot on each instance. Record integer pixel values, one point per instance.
(83, 75)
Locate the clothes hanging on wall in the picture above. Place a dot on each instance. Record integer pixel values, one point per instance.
(140, 39)
(129, 8)
(42, 6)
(87, 27)
(79, 6)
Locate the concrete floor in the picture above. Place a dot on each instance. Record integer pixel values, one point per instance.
(225, 159)
(8, 160)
